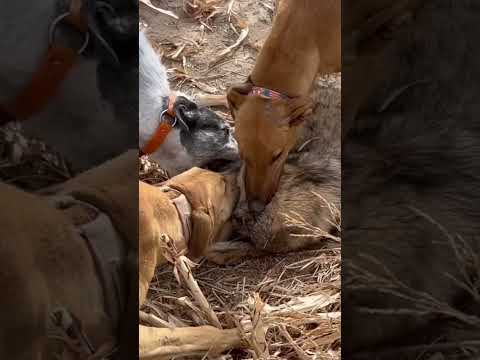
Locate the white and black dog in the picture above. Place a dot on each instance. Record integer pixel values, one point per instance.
(198, 137)
(92, 116)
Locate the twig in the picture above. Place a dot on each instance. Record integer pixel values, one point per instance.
(230, 9)
(165, 12)
(183, 268)
(153, 320)
(301, 354)
(228, 50)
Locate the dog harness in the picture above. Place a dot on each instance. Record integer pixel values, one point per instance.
(108, 253)
(166, 124)
(184, 210)
(53, 70)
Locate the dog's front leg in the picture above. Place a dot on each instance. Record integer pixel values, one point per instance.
(146, 270)
(163, 343)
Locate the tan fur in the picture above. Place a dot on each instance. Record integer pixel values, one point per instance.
(304, 42)
(272, 232)
(110, 187)
(164, 344)
(46, 262)
(212, 197)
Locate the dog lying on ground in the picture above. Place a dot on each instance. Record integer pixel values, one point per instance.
(65, 272)
(304, 42)
(192, 209)
(174, 131)
(303, 214)
(305, 211)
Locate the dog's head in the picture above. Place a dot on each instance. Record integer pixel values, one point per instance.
(200, 138)
(213, 197)
(266, 131)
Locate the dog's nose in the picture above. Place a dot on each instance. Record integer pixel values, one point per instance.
(256, 206)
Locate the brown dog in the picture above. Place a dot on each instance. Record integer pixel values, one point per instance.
(62, 264)
(304, 42)
(193, 209)
(304, 213)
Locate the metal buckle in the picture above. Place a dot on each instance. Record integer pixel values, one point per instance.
(162, 117)
(53, 28)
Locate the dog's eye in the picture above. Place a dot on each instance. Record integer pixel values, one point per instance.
(277, 155)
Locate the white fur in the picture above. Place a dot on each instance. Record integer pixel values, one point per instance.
(173, 157)
(153, 85)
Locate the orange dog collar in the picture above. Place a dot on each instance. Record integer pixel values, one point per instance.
(53, 69)
(163, 128)
(171, 103)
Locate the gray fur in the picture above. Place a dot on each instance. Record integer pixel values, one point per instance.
(412, 198)
(78, 121)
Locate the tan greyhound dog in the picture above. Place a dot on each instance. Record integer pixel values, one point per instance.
(193, 209)
(304, 42)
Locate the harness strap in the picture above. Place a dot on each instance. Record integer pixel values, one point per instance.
(75, 17)
(109, 254)
(106, 248)
(184, 210)
(165, 126)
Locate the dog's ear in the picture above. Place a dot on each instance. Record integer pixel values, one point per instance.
(298, 109)
(202, 232)
(237, 94)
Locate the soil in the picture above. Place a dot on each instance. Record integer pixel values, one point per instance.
(203, 40)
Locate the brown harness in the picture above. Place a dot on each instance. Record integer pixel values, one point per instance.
(184, 210)
(52, 71)
(108, 252)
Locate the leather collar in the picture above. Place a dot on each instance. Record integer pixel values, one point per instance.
(166, 124)
(53, 70)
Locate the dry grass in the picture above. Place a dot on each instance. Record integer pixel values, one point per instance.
(28, 163)
(463, 332)
(287, 307)
(203, 9)
(150, 172)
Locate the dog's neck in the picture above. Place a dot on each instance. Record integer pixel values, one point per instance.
(149, 124)
(171, 154)
(184, 210)
(279, 67)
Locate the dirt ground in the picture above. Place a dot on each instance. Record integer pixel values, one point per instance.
(203, 39)
(300, 293)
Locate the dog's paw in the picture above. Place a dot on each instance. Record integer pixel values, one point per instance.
(229, 252)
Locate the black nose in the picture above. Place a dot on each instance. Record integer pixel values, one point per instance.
(256, 206)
